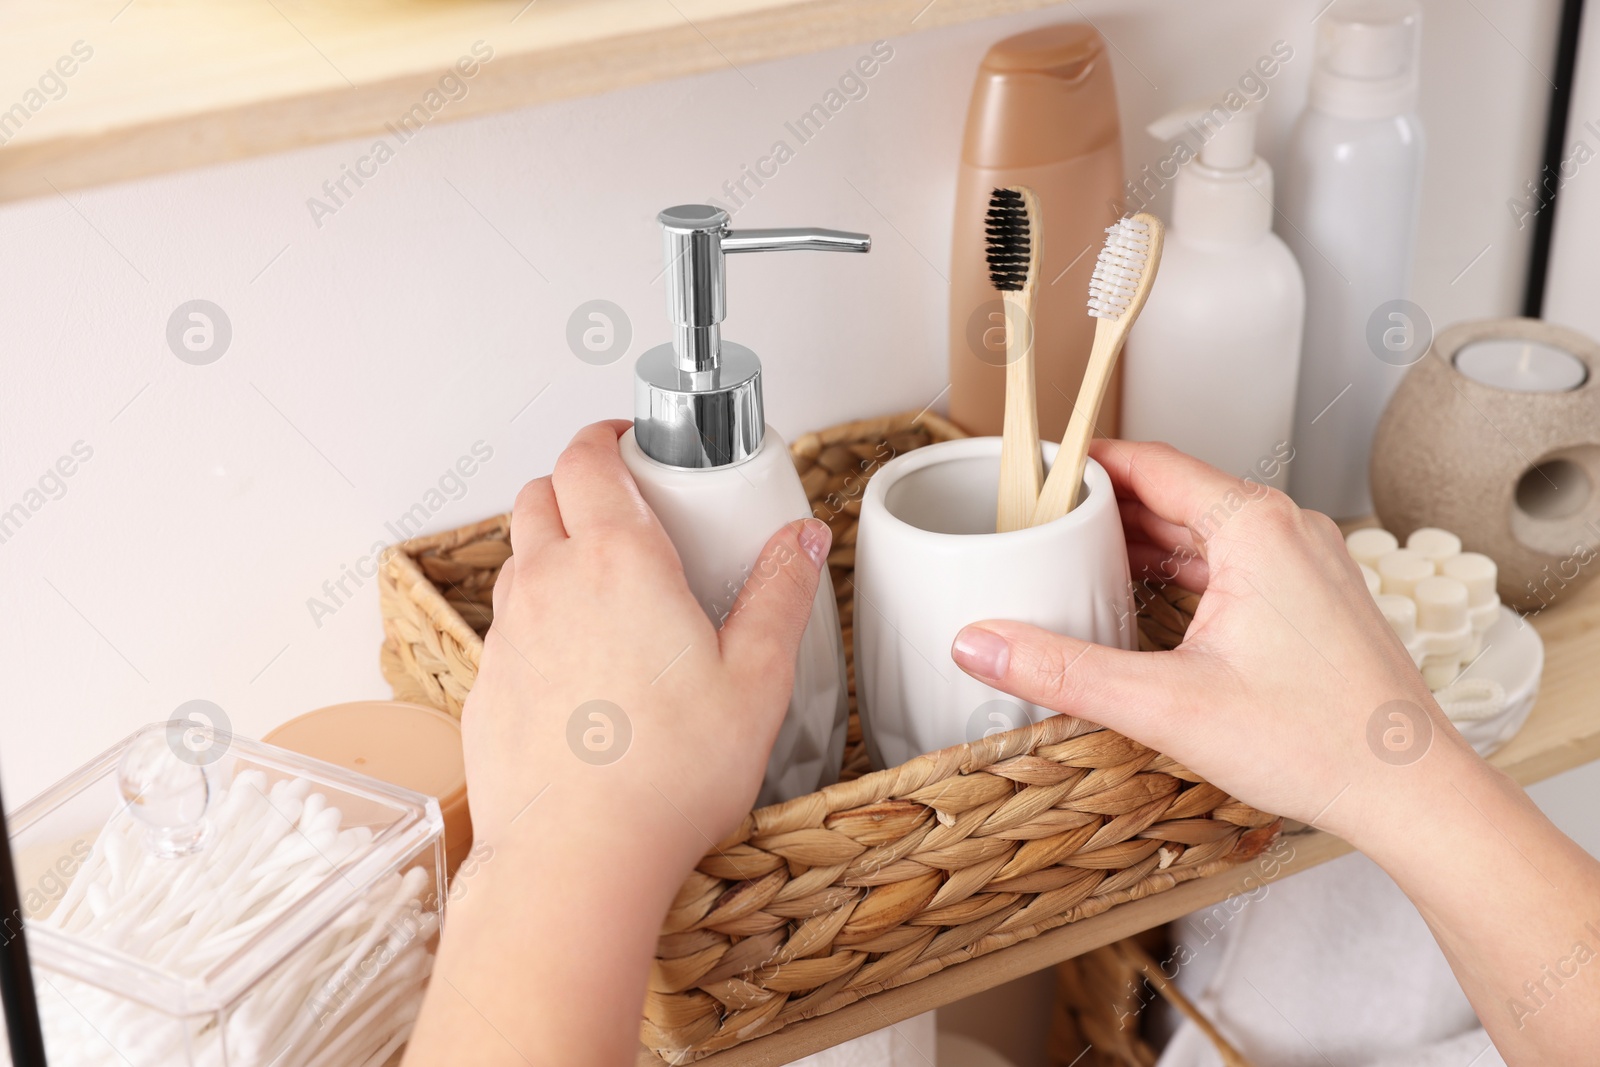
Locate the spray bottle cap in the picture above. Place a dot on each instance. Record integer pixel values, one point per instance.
(1367, 59)
(697, 400)
(1225, 192)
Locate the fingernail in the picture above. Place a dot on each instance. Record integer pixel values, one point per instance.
(982, 652)
(815, 539)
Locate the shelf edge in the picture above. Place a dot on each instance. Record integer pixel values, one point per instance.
(516, 78)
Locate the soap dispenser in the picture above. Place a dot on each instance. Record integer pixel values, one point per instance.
(721, 480)
(1212, 363)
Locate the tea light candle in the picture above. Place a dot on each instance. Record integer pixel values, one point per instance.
(1521, 366)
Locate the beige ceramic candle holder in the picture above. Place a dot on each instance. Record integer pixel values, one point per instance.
(1515, 474)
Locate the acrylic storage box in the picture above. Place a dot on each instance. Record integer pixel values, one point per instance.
(197, 899)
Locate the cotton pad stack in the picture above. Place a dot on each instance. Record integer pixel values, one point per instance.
(1440, 601)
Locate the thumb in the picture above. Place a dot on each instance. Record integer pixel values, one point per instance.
(762, 632)
(1134, 693)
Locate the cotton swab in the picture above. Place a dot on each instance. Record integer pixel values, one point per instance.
(266, 850)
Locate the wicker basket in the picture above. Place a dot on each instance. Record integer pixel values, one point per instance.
(1101, 997)
(1099, 1009)
(888, 876)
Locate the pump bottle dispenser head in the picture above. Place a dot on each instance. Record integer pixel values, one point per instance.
(697, 400)
(1224, 191)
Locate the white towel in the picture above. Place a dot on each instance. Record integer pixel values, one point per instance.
(1330, 968)
(911, 1043)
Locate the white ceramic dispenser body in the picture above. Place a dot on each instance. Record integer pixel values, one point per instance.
(721, 481)
(1352, 189)
(1211, 365)
(719, 520)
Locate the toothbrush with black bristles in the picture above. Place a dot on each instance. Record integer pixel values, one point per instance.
(1013, 233)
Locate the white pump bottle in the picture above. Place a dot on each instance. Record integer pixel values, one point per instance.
(721, 480)
(1211, 365)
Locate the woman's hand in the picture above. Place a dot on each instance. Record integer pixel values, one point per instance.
(603, 679)
(613, 736)
(1290, 690)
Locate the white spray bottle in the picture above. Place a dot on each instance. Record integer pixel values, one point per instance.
(1211, 365)
(721, 480)
(1352, 188)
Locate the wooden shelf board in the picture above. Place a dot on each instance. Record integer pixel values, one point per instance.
(1563, 732)
(172, 84)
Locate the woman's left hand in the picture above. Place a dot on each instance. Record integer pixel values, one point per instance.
(613, 736)
(604, 684)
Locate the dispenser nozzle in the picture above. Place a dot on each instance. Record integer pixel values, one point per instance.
(1224, 190)
(796, 239)
(1225, 138)
(697, 401)
(695, 239)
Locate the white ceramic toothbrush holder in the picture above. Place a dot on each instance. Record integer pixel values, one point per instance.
(928, 562)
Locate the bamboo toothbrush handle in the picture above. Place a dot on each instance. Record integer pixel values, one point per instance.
(1021, 465)
(1060, 493)
(1146, 964)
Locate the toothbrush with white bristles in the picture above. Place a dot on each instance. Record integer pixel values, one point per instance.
(1117, 292)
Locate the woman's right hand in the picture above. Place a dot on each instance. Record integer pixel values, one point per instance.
(1290, 690)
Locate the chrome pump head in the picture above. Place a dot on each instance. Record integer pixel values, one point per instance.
(697, 400)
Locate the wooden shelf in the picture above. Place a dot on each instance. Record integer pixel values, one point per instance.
(1562, 733)
(170, 84)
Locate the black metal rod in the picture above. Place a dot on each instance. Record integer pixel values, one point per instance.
(1555, 149)
(16, 976)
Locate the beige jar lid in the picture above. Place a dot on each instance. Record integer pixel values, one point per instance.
(408, 745)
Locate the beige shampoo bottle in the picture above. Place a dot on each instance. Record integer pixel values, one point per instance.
(1044, 115)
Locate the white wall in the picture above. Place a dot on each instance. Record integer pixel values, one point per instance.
(372, 352)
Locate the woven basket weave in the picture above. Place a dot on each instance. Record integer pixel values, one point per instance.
(1100, 1002)
(888, 876)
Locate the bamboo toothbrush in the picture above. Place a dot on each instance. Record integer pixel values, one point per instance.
(1117, 292)
(1013, 254)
